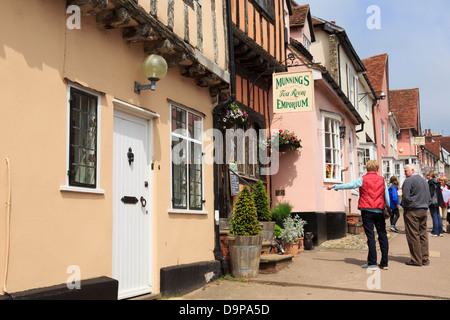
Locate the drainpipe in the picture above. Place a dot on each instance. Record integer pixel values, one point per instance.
(362, 128)
(7, 236)
(230, 100)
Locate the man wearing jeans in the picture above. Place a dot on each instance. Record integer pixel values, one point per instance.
(416, 199)
(373, 196)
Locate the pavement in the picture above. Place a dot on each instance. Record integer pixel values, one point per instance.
(333, 271)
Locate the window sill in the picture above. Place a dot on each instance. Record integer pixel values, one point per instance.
(333, 181)
(200, 212)
(81, 190)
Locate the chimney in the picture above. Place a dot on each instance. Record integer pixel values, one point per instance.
(333, 22)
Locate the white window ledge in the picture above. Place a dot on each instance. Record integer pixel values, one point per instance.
(81, 190)
(188, 211)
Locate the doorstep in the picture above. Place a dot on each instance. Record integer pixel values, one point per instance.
(272, 263)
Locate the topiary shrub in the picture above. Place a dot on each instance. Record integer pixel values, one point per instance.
(245, 218)
(262, 202)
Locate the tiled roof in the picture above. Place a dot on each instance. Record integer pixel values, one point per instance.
(299, 15)
(376, 67)
(434, 147)
(445, 142)
(405, 105)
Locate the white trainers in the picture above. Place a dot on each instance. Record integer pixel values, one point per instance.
(370, 267)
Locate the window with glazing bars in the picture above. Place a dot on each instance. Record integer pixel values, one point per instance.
(187, 160)
(83, 139)
(332, 149)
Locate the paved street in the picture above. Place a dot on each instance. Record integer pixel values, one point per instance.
(336, 274)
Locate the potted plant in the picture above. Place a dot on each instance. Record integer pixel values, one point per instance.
(262, 208)
(232, 115)
(280, 212)
(284, 140)
(291, 233)
(245, 240)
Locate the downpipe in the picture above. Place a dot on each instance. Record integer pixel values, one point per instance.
(228, 100)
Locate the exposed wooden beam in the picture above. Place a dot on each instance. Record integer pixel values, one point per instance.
(142, 17)
(139, 33)
(208, 80)
(159, 46)
(88, 7)
(113, 18)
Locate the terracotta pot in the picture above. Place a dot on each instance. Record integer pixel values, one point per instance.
(291, 248)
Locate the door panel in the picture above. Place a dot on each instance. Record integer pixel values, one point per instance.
(132, 257)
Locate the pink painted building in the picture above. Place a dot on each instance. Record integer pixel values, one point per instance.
(328, 133)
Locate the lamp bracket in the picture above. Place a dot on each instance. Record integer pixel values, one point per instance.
(138, 87)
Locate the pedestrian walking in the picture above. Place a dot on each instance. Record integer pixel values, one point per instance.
(436, 201)
(395, 205)
(416, 199)
(446, 196)
(373, 196)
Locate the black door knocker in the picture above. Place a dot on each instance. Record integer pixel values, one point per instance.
(130, 155)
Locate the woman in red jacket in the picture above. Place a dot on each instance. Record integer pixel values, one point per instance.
(373, 196)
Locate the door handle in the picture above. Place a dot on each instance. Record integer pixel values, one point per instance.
(143, 202)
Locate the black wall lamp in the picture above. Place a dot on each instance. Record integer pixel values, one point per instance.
(342, 131)
(154, 68)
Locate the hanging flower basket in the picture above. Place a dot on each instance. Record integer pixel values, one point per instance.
(285, 140)
(232, 115)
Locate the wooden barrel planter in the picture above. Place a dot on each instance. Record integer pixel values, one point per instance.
(245, 254)
(268, 228)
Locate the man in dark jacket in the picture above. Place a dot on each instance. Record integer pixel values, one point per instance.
(436, 201)
(416, 199)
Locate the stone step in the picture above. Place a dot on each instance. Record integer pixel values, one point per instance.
(272, 263)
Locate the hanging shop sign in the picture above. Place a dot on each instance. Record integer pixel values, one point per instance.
(293, 91)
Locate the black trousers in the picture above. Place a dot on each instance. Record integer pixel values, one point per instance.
(371, 220)
(395, 216)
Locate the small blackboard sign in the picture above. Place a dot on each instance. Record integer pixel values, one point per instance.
(234, 180)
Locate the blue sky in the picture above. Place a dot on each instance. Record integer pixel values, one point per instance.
(416, 36)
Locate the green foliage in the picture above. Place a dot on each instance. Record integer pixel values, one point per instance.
(262, 202)
(281, 212)
(245, 218)
(277, 232)
(293, 229)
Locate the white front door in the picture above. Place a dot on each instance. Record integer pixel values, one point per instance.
(132, 231)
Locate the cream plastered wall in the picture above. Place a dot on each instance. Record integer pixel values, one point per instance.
(52, 229)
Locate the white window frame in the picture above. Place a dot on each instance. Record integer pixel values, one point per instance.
(383, 133)
(356, 92)
(188, 141)
(366, 103)
(338, 151)
(350, 87)
(387, 170)
(67, 186)
(306, 43)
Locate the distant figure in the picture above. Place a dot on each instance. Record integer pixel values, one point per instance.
(446, 196)
(436, 201)
(395, 205)
(416, 199)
